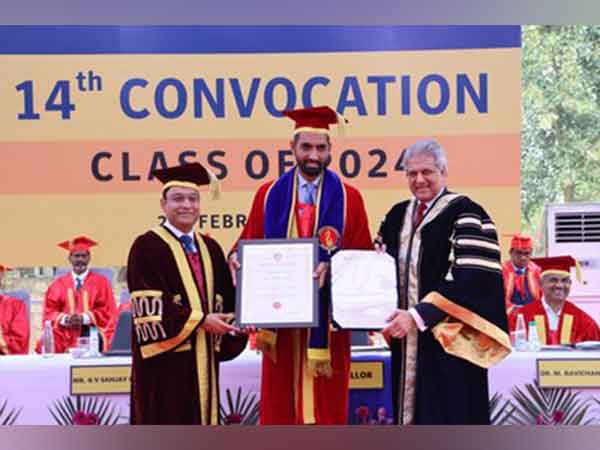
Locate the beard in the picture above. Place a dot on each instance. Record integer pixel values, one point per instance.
(316, 168)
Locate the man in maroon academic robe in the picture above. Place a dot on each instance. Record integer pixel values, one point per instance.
(558, 321)
(14, 323)
(78, 300)
(182, 297)
(305, 372)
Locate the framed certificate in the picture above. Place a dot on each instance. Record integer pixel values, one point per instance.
(275, 284)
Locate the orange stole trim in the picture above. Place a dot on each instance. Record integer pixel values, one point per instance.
(3, 344)
(566, 329)
(540, 324)
(71, 300)
(472, 338)
(510, 288)
(533, 287)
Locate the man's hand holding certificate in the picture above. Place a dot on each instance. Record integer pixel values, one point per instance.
(363, 289)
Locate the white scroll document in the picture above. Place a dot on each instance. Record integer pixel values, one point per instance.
(363, 288)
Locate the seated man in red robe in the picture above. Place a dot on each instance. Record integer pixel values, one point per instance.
(14, 323)
(521, 275)
(78, 300)
(558, 321)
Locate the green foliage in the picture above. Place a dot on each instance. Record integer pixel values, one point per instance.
(561, 117)
(243, 411)
(534, 405)
(8, 416)
(79, 410)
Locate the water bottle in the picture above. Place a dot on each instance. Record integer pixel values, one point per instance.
(520, 334)
(533, 339)
(94, 343)
(47, 340)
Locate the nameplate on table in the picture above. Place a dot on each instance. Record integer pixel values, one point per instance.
(366, 375)
(94, 380)
(568, 373)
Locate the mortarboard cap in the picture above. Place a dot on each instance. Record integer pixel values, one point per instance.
(191, 175)
(78, 243)
(315, 119)
(521, 242)
(558, 265)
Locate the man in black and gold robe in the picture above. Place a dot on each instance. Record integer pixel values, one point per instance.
(182, 298)
(450, 325)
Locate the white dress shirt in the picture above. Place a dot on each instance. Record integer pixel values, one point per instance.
(553, 317)
(302, 190)
(82, 276)
(178, 233)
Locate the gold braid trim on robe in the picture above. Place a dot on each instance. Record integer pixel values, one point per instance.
(566, 329)
(187, 277)
(467, 335)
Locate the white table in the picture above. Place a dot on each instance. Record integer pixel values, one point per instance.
(34, 382)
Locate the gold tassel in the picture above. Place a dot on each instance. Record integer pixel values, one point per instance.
(341, 124)
(266, 342)
(578, 271)
(214, 187)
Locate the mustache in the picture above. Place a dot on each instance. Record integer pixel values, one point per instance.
(316, 168)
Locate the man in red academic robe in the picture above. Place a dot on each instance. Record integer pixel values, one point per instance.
(521, 275)
(78, 300)
(305, 372)
(14, 323)
(558, 321)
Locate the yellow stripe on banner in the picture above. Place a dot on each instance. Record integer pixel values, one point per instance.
(567, 327)
(189, 285)
(223, 220)
(540, 325)
(99, 111)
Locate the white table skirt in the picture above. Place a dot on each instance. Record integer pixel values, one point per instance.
(34, 382)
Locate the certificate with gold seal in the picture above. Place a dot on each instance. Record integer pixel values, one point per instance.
(275, 283)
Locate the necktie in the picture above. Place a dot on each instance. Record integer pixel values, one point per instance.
(310, 194)
(77, 283)
(520, 271)
(187, 243)
(421, 207)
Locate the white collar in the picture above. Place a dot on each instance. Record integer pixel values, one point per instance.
(432, 201)
(176, 231)
(549, 310)
(303, 181)
(81, 276)
(517, 269)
